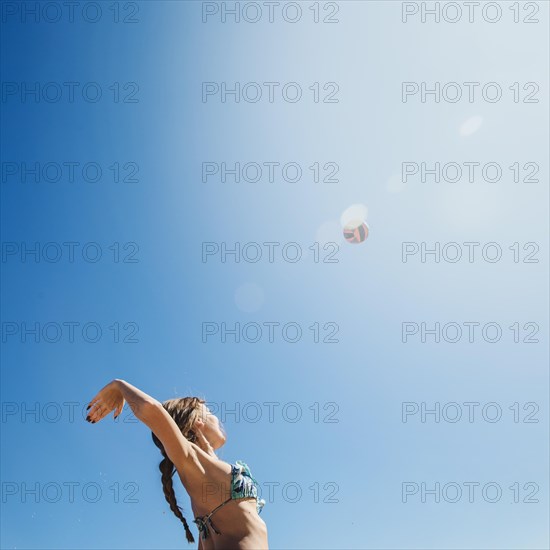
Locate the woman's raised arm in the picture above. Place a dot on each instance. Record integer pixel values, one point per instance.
(112, 397)
(146, 409)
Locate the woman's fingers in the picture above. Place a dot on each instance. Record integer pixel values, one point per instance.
(99, 414)
(92, 402)
(96, 406)
(92, 414)
(98, 411)
(97, 398)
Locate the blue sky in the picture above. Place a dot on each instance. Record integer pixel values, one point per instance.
(135, 299)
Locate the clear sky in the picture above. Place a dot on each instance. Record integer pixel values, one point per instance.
(117, 263)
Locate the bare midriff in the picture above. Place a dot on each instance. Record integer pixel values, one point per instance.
(240, 526)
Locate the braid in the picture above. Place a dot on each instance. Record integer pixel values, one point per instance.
(184, 411)
(167, 469)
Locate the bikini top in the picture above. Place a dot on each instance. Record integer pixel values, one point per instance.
(242, 485)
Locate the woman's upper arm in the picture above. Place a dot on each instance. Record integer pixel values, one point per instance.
(178, 449)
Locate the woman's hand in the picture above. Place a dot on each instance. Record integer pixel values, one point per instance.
(109, 398)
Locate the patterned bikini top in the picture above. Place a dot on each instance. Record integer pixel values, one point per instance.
(243, 485)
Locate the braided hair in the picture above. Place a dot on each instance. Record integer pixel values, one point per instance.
(184, 411)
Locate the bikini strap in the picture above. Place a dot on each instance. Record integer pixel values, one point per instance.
(218, 507)
(203, 521)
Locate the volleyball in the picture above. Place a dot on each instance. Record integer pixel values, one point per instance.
(356, 232)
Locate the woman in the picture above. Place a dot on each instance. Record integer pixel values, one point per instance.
(187, 434)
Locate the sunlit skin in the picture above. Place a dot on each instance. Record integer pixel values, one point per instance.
(206, 478)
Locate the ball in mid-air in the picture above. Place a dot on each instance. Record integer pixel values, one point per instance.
(356, 232)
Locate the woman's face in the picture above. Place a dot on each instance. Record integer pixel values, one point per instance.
(212, 428)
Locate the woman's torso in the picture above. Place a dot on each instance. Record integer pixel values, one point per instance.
(208, 482)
